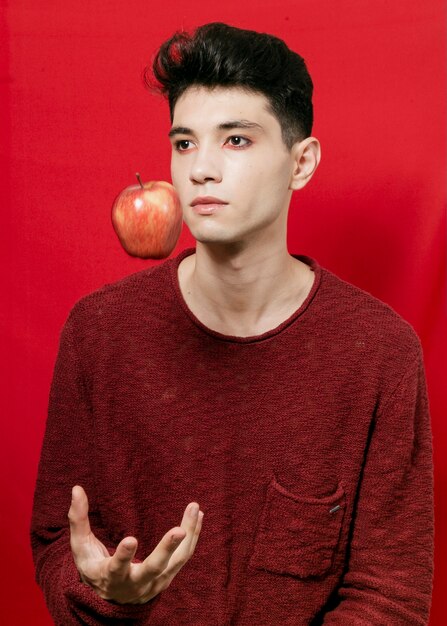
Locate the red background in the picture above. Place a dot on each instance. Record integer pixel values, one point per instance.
(76, 124)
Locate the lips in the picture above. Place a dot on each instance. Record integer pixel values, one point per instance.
(207, 200)
(207, 205)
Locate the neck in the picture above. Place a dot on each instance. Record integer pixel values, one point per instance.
(234, 285)
(240, 281)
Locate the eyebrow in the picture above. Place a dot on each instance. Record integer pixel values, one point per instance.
(245, 124)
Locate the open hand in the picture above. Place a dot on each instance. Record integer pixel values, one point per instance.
(116, 577)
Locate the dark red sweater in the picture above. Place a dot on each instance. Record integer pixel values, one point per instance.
(308, 448)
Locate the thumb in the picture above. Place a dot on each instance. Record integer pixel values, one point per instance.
(78, 515)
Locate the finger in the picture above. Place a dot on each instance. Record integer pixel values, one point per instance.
(189, 523)
(158, 560)
(119, 563)
(192, 522)
(185, 549)
(197, 530)
(178, 559)
(190, 514)
(78, 515)
(174, 541)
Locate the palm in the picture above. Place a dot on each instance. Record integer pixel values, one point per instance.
(116, 577)
(91, 557)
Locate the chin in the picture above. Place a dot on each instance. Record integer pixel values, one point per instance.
(210, 235)
(214, 238)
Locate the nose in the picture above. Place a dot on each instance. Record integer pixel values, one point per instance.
(205, 166)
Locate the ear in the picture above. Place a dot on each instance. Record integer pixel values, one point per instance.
(306, 157)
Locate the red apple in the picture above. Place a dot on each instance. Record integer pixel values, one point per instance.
(148, 219)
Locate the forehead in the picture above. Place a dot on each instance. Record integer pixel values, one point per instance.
(209, 106)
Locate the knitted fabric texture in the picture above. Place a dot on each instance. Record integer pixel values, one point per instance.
(308, 448)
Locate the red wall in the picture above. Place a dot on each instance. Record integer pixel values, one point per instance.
(76, 124)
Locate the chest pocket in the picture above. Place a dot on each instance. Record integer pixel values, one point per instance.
(298, 535)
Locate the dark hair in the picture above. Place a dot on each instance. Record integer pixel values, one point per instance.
(218, 55)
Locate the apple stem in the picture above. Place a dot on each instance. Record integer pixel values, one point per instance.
(139, 180)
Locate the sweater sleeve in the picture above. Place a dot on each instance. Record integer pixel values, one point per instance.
(390, 569)
(67, 459)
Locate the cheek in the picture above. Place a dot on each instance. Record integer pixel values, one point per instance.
(250, 179)
(262, 182)
(279, 179)
(269, 189)
(178, 178)
(174, 172)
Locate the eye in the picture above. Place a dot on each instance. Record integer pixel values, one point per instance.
(182, 144)
(238, 142)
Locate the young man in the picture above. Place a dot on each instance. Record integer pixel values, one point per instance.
(288, 403)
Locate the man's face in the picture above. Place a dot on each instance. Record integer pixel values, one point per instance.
(227, 145)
